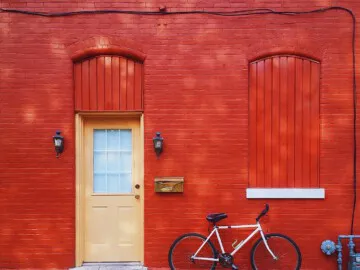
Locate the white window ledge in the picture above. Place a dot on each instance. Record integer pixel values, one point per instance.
(285, 193)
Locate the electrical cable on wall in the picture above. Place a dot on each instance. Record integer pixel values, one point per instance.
(248, 12)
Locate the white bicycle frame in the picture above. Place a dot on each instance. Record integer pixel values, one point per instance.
(257, 228)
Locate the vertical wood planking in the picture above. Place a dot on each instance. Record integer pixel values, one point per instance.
(101, 83)
(275, 123)
(138, 87)
(77, 84)
(283, 122)
(298, 121)
(260, 124)
(306, 124)
(108, 84)
(123, 78)
(85, 89)
(93, 85)
(268, 121)
(252, 125)
(130, 93)
(315, 125)
(291, 122)
(115, 67)
(284, 104)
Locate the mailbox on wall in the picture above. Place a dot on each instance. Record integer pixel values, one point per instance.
(169, 184)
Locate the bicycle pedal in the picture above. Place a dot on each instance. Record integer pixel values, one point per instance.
(234, 267)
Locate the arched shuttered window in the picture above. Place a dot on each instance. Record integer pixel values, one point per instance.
(284, 122)
(108, 83)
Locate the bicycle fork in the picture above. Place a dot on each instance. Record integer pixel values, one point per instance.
(265, 242)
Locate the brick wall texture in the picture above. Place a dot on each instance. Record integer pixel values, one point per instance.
(196, 94)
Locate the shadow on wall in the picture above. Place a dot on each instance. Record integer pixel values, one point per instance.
(37, 201)
(201, 100)
(197, 93)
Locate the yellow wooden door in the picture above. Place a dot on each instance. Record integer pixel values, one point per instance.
(112, 191)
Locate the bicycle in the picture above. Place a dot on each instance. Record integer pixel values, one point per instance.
(270, 251)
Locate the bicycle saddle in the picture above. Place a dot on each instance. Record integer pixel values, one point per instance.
(216, 217)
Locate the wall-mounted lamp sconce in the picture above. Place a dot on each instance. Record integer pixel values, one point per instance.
(58, 143)
(158, 143)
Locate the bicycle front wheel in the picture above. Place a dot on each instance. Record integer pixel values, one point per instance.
(184, 247)
(288, 256)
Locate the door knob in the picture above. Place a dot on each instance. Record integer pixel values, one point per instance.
(137, 197)
(137, 186)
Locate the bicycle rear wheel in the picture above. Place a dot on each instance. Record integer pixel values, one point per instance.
(284, 248)
(184, 248)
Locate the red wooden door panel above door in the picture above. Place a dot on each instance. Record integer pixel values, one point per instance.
(108, 83)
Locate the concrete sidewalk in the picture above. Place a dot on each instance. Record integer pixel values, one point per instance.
(111, 266)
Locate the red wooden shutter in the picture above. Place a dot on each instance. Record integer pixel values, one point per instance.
(284, 122)
(108, 83)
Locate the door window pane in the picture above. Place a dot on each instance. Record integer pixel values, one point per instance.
(99, 161)
(125, 186)
(100, 139)
(112, 161)
(113, 182)
(125, 140)
(125, 162)
(99, 183)
(113, 139)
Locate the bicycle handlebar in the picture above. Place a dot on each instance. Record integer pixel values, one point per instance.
(263, 212)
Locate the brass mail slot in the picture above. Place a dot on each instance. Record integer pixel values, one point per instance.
(169, 184)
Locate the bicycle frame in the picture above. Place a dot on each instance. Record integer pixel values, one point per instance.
(257, 228)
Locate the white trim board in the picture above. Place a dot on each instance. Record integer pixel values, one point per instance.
(285, 193)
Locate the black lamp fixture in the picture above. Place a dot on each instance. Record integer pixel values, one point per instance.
(158, 143)
(58, 143)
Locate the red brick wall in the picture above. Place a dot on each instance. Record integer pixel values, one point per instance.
(196, 94)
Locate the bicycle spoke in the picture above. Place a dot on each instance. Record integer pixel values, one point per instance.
(288, 257)
(185, 248)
